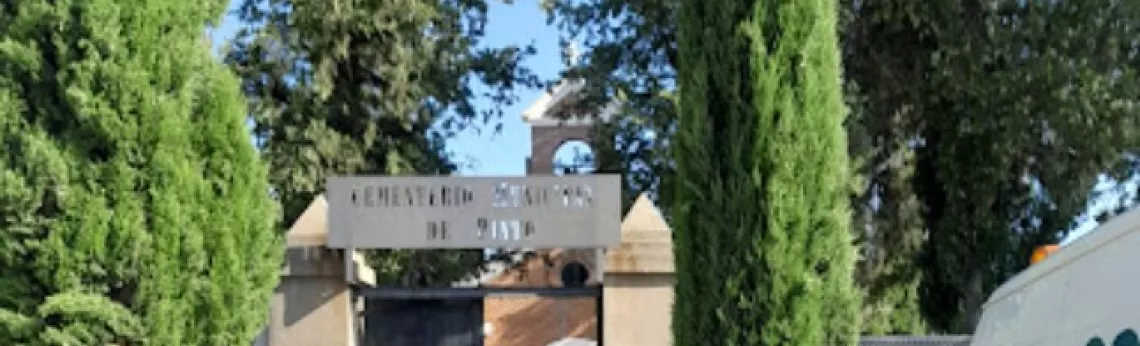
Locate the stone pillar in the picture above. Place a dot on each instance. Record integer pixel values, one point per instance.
(313, 303)
(638, 293)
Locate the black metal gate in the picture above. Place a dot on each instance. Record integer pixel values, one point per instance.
(446, 316)
(423, 322)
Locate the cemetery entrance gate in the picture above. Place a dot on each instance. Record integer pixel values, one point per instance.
(437, 212)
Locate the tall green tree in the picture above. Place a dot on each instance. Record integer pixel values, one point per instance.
(133, 208)
(1002, 115)
(885, 51)
(370, 87)
(919, 81)
(632, 58)
(763, 243)
(1028, 103)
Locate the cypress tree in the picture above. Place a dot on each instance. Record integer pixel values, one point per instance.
(133, 206)
(761, 215)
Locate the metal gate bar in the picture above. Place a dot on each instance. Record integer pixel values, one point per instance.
(436, 293)
(476, 292)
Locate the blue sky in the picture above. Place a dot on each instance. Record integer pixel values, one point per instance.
(504, 153)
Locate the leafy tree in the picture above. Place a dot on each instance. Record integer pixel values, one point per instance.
(1002, 115)
(761, 206)
(133, 208)
(1035, 100)
(885, 50)
(370, 87)
(1044, 85)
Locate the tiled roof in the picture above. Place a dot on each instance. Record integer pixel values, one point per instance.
(537, 321)
(909, 340)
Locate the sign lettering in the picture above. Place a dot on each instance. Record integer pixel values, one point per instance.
(474, 212)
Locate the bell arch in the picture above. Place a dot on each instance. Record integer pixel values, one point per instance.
(556, 119)
(574, 157)
(546, 140)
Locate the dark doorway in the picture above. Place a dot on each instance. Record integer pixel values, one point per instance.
(423, 322)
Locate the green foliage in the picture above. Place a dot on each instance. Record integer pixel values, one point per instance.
(84, 319)
(632, 58)
(133, 209)
(370, 87)
(980, 136)
(1011, 114)
(882, 44)
(761, 205)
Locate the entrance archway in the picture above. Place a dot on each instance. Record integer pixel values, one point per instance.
(534, 212)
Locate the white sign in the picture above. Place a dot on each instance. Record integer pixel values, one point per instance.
(474, 212)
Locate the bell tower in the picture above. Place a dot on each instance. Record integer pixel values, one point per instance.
(558, 117)
(553, 124)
